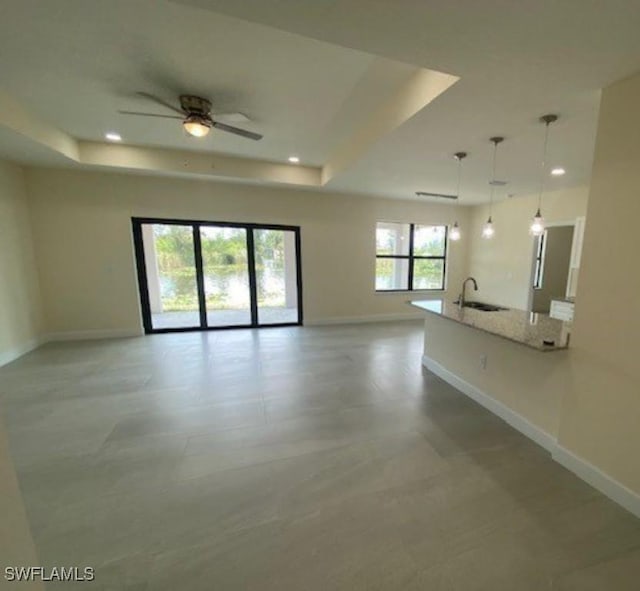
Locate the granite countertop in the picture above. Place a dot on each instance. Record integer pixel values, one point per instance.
(526, 328)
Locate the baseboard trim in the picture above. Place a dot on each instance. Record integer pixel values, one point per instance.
(362, 319)
(89, 335)
(514, 419)
(14, 353)
(601, 481)
(7, 357)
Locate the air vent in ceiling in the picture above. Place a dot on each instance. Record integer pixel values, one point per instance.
(438, 195)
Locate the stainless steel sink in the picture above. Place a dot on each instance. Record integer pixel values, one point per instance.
(482, 306)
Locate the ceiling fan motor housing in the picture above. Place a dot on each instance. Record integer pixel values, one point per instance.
(195, 105)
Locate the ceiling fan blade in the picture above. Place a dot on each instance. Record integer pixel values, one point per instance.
(150, 115)
(236, 130)
(232, 117)
(159, 101)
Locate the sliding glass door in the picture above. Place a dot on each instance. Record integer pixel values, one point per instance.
(225, 268)
(208, 275)
(171, 276)
(276, 276)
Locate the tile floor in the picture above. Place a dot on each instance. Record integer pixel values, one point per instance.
(224, 317)
(294, 459)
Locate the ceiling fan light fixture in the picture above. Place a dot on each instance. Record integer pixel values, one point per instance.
(196, 126)
(195, 114)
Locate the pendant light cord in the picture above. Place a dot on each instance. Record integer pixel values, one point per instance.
(544, 163)
(459, 156)
(493, 177)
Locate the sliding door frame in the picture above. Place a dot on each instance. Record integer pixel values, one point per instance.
(143, 286)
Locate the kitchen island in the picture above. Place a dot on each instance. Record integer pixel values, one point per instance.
(538, 331)
(513, 362)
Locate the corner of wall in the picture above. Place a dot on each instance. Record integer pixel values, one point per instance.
(21, 304)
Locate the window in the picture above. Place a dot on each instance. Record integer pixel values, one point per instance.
(410, 257)
(539, 267)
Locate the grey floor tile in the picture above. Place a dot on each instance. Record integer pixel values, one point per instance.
(298, 458)
(620, 573)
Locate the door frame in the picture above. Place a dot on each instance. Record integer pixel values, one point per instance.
(141, 267)
(560, 224)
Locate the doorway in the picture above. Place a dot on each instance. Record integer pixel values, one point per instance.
(201, 275)
(552, 266)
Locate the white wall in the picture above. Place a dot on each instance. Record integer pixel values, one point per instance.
(502, 265)
(82, 235)
(82, 231)
(20, 325)
(20, 306)
(600, 418)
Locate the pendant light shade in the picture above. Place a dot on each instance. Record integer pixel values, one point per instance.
(537, 226)
(488, 231)
(454, 233)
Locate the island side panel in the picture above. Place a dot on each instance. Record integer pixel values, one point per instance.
(519, 383)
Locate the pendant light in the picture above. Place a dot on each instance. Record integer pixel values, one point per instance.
(488, 230)
(455, 234)
(537, 226)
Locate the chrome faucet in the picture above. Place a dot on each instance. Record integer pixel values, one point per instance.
(462, 299)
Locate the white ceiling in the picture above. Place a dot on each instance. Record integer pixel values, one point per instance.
(309, 72)
(86, 60)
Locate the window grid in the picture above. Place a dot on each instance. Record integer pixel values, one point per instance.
(411, 258)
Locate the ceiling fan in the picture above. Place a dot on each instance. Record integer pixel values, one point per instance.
(195, 113)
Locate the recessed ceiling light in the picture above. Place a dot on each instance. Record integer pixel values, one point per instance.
(294, 159)
(112, 136)
(559, 171)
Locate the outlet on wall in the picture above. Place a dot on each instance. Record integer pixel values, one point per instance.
(483, 361)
